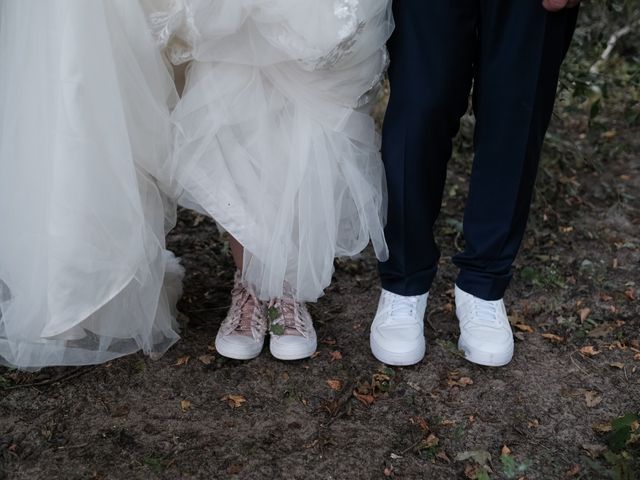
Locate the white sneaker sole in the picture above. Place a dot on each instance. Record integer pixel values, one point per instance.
(231, 351)
(499, 359)
(396, 359)
(290, 354)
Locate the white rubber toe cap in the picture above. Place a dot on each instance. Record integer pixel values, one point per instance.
(397, 331)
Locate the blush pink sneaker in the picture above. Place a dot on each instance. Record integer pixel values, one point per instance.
(241, 335)
(292, 334)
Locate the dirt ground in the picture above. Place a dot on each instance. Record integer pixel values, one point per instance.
(550, 414)
(341, 414)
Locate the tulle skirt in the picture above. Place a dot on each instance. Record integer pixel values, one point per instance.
(84, 138)
(273, 135)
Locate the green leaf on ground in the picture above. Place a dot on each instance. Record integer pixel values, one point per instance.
(511, 468)
(621, 432)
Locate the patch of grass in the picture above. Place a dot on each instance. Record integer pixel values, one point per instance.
(5, 382)
(157, 463)
(622, 460)
(449, 347)
(623, 431)
(512, 468)
(545, 277)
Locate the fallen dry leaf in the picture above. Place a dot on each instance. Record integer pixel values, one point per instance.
(573, 471)
(617, 365)
(421, 422)
(368, 400)
(630, 293)
(464, 381)
(185, 405)
(441, 455)
(380, 383)
(505, 450)
(312, 444)
(182, 361)
(637, 357)
(234, 401)
(592, 398)
(553, 337)
(388, 471)
(455, 380)
(206, 359)
(600, 331)
(523, 327)
(602, 427)
(431, 441)
(334, 384)
(535, 423)
(617, 345)
(315, 354)
(584, 314)
(335, 356)
(471, 471)
(589, 351)
(594, 450)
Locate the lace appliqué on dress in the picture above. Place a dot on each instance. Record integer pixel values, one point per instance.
(350, 29)
(175, 31)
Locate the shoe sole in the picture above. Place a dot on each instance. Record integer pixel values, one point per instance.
(293, 355)
(483, 358)
(396, 359)
(234, 354)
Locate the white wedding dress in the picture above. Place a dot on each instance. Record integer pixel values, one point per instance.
(85, 99)
(273, 137)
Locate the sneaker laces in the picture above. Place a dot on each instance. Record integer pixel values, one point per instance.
(404, 306)
(246, 318)
(291, 315)
(485, 311)
(402, 310)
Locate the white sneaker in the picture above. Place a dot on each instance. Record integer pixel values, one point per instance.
(485, 334)
(397, 331)
(292, 334)
(241, 335)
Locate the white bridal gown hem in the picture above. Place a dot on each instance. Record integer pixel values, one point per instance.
(85, 98)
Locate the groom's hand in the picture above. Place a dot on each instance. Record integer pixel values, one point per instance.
(556, 5)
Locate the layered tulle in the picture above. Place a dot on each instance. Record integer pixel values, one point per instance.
(84, 135)
(273, 136)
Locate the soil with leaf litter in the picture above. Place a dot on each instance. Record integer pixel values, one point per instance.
(566, 407)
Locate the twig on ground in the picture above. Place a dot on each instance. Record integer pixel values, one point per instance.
(62, 378)
(611, 44)
(578, 366)
(411, 447)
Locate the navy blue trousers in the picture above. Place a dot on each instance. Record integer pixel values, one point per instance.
(510, 51)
